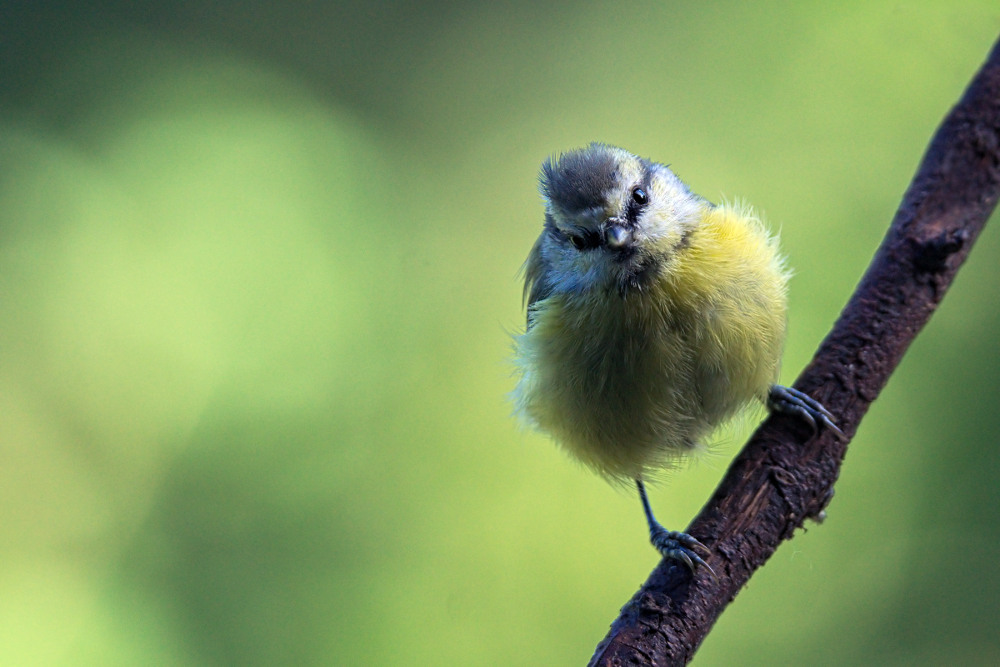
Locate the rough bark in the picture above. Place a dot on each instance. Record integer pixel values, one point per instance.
(785, 474)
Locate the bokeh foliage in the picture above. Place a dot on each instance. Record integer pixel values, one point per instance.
(258, 274)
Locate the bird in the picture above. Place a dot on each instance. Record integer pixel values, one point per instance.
(653, 317)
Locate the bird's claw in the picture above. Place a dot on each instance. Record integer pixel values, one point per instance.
(791, 401)
(673, 545)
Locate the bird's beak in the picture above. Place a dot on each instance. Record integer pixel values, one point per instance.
(616, 234)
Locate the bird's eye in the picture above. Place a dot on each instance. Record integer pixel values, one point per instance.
(587, 240)
(639, 196)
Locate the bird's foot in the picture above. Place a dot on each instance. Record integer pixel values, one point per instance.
(681, 547)
(794, 402)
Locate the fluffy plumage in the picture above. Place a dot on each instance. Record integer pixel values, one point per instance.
(653, 315)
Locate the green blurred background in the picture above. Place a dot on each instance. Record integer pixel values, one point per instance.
(258, 273)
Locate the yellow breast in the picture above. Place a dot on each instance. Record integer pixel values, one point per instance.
(629, 383)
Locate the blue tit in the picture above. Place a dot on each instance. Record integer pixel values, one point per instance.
(653, 316)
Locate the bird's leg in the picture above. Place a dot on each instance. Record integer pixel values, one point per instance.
(671, 544)
(793, 402)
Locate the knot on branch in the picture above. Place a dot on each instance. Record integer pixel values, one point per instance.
(931, 254)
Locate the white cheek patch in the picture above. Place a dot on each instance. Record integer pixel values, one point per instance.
(672, 210)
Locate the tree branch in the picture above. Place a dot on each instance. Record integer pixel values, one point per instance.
(784, 475)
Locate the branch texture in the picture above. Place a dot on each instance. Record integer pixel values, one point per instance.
(784, 474)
